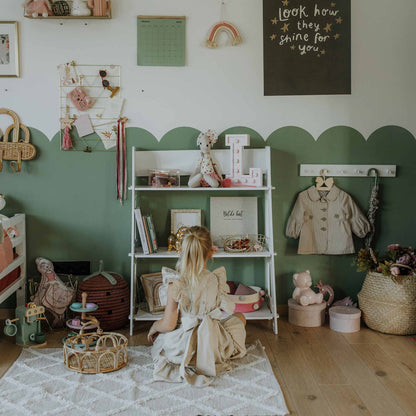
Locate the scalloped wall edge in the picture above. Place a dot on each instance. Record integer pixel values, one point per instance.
(269, 135)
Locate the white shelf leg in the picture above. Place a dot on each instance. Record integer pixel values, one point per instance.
(132, 245)
(268, 225)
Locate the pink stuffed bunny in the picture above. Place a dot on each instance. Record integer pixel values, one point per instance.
(38, 7)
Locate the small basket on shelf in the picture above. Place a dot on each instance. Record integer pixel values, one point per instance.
(244, 243)
(97, 352)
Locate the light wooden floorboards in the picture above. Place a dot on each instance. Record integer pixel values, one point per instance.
(321, 372)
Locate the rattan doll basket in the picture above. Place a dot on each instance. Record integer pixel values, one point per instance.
(16, 150)
(96, 352)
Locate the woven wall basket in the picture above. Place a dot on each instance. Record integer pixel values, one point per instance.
(15, 150)
(387, 306)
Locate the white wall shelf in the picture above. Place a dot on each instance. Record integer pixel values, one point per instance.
(143, 161)
(18, 221)
(164, 253)
(188, 189)
(264, 313)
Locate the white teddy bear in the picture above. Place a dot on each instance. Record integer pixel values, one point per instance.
(303, 294)
(207, 172)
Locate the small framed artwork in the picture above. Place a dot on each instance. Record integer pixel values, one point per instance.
(184, 218)
(232, 216)
(152, 284)
(9, 49)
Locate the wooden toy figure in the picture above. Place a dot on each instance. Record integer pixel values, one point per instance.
(99, 7)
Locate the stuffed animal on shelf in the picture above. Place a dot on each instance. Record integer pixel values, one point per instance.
(35, 8)
(207, 173)
(303, 294)
(80, 8)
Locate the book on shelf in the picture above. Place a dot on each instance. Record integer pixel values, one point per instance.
(147, 233)
(152, 231)
(142, 233)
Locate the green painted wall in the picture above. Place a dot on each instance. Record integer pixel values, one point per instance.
(72, 213)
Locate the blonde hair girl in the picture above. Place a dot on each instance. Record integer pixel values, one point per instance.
(196, 249)
(201, 347)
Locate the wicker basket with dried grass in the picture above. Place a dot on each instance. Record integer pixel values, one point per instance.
(388, 296)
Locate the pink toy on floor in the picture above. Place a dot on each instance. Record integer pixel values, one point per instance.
(38, 7)
(326, 289)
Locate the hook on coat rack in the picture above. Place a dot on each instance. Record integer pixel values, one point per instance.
(387, 171)
(376, 175)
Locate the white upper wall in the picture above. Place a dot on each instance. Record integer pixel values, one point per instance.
(218, 88)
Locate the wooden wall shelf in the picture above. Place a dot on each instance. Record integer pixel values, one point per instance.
(69, 17)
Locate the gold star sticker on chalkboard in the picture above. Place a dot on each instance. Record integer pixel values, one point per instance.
(285, 27)
(333, 4)
(337, 36)
(285, 2)
(292, 47)
(274, 21)
(273, 37)
(318, 55)
(339, 20)
(323, 52)
(327, 28)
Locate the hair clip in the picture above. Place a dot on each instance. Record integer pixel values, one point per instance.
(106, 84)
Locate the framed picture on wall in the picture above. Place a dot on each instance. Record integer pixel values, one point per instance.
(232, 216)
(9, 49)
(184, 218)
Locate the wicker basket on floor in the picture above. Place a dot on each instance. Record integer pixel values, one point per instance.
(387, 306)
(97, 352)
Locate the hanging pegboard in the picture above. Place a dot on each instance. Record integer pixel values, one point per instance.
(105, 103)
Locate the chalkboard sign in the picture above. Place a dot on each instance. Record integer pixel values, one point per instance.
(307, 47)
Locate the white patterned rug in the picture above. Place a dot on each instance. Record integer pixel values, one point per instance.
(38, 384)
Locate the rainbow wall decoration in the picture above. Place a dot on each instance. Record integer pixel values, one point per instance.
(223, 27)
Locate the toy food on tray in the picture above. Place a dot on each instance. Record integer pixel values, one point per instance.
(246, 298)
(237, 244)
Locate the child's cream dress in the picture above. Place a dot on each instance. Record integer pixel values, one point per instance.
(204, 342)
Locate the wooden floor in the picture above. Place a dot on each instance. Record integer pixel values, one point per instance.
(321, 372)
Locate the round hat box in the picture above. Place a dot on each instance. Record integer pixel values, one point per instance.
(344, 319)
(307, 316)
(113, 300)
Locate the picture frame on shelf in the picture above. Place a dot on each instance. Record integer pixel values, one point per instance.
(151, 283)
(184, 218)
(232, 216)
(9, 49)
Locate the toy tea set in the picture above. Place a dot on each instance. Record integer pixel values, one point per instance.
(308, 308)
